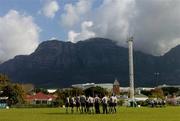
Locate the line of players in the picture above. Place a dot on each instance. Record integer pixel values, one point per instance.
(85, 104)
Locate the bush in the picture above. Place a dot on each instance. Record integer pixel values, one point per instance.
(57, 103)
(120, 102)
(142, 103)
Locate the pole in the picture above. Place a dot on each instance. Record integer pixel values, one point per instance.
(157, 78)
(131, 67)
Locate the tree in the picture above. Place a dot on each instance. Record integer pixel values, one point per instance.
(62, 94)
(4, 80)
(157, 93)
(27, 87)
(96, 91)
(14, 93)
(147, 93)
(37, 90)
(76, 91)
(20, 93)
(170, 90)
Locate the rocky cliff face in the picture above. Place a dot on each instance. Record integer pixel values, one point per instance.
(60, 64)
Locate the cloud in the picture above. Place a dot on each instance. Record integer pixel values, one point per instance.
(154, 23)
(50, 8)
(52, 38)
(112, 19)
(72, 36)
(75, 12)
(18, 35)
(84, 34)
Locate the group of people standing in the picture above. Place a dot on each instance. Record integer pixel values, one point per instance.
(91, 104)
(157, 103)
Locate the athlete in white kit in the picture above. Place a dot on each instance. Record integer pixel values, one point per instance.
(97, 104)
(67, 104)
(114, 103)
(105, 103)
(83, 103)
(91, 104)
(111, 103)
(78, 103)
(72, 104)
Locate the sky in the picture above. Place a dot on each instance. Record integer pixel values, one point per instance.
(155, 24)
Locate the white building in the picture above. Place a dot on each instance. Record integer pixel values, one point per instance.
(51, 90)
(140, 97)
(84, 86)
(164, 85)
(107, 86)
(124, 89)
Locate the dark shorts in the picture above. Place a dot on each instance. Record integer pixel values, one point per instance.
(83, 104)
(114, 104)
(104, 105)
(90, 104)
(71, 105)
(96, 104)
(87, 105)
(110, 104)
(67, 105)
(77, 104)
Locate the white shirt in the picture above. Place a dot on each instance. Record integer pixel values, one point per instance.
(67, 100)
(96, 99)
(105, 100)
(114, 99)
(91, 100)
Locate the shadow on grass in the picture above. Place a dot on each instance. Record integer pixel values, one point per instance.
(76, 113)
(62, 113)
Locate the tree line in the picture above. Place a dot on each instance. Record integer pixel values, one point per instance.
(13, 91)
(16, 92)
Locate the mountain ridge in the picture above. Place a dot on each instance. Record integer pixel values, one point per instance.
(60, 64)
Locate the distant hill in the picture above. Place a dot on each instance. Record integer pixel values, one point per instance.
(60, 64)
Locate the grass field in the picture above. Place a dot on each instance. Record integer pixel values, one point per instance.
(123, 114)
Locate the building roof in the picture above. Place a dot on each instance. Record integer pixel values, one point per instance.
(108, 86)
(140, 97)
(84, 86)
(164, 85)
(40, 96)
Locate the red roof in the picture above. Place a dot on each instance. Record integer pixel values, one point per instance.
(40, 96)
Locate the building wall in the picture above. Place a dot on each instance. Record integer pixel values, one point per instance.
(116, 89)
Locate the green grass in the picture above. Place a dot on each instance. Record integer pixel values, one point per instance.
(124, 114)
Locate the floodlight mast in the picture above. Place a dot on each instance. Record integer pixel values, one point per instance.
(131, 67)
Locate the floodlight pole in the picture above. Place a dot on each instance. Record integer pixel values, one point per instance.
(131, 67)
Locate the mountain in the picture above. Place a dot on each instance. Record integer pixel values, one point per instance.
(60, 64)
(169, 65)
